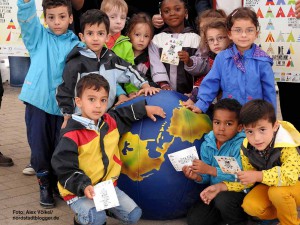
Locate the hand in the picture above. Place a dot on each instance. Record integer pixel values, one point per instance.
(189, 173)
(250, 177)
(185, 58)
(89, 192)
(188, 102)
(122, 99)
(199, 166)
(132, 95)
(209, 193)
(297, 8)
(64, 124)
(157, 21)
(155, 110)
(194, 109)
(148, 90)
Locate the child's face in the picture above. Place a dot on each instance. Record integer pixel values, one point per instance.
(173, 13)
(217, 40)
(140, 36)
(261, 133)
(92, 103)
(225, 125)
(117, 19)
(58, 19)
(94, 36)
(243, 33)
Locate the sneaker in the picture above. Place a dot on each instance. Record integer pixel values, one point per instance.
(28, 170)
(5, 161)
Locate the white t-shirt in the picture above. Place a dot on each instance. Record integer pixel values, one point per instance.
(228, 5)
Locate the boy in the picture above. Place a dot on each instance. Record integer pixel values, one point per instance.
(116, 11)
(48, 48)
(88, 152)
(270, 159)
(95, 58)
(224, 140)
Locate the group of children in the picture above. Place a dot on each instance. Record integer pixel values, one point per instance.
(68, 76)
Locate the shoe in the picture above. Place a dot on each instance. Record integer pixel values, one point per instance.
(5, 161)
(28, 170)
(46, 194)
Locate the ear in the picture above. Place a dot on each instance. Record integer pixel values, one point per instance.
(78, 102)
(229, 35)
(276, 126)
(71, 19)
(240, 128)
(81, 37)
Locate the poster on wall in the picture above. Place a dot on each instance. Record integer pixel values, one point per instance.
(279, 36)
(11, 43)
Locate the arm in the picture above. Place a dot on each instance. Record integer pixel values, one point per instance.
(65, 163)
(77, 4)
(31, 28)
(209, 193)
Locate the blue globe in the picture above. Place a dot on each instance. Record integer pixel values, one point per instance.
(147, 175)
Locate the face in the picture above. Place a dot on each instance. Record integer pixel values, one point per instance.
(217, 40)
(173, 13)
(261, 133)
(243, 33)
(94, 37)
(93, 104)
(117, 19)
(58, 19)
(225, 125)
(140, 36)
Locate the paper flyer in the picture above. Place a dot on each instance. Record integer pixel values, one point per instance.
(228, 164)
(183, 157)
(170, 51)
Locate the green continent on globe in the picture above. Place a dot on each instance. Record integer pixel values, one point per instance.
(184, 124)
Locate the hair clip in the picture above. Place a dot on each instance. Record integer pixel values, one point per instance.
(234, 13)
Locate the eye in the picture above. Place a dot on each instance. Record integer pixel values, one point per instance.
(91, 99)
(103, 100)
(137, 35)
(216, 122)
(62, 17)
(229, 124)
(89, 33)
(50, 17)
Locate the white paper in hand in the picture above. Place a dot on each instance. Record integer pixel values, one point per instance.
(170, 51)
(105, 196)
(183, 157)
(228, 164)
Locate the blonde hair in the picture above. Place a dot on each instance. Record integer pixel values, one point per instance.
(108, 5)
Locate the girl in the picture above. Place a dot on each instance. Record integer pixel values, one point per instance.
(243, 71)
(214, 38)
(176, 77)
(140, 31)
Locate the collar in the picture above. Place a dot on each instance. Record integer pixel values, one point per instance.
(112, 40)
(89, 124)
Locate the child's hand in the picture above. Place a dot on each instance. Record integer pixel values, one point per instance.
(157, 21)
(148, 90)
(64, 124)
(185, 58)
(122, 99)
(189, 173)
(194, 109)
(188, 102)
(199, 166)
(89, 192)
(211, 192)
(155, 110)
(250, 177)
(132, 95)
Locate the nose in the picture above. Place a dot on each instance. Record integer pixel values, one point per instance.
(56, 21)
(222, 127)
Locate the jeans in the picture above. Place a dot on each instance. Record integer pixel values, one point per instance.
(128, 211)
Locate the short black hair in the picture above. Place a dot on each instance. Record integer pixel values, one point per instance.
(49, 4)
(92, 80)
(229, 104)
(94, 16)
(255, 110)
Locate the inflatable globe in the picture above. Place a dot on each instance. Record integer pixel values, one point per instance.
(147, 174)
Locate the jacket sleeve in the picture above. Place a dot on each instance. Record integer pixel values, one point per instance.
(31, 28)
(65, 93)
(65, 163)
(288, 173)
(126, 115)
(209, 87)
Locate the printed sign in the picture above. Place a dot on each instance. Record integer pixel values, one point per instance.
(183, 157)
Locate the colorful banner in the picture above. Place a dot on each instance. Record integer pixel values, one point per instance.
(279, 36)
(11, 43)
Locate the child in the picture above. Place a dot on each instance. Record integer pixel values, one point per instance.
(48, 48)
(116, 11)
(270, 157)
(94, 57)
(88, 151)
(176, 77)
(243, 71)
(140, 31)
(224, 140)
(214, 37)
